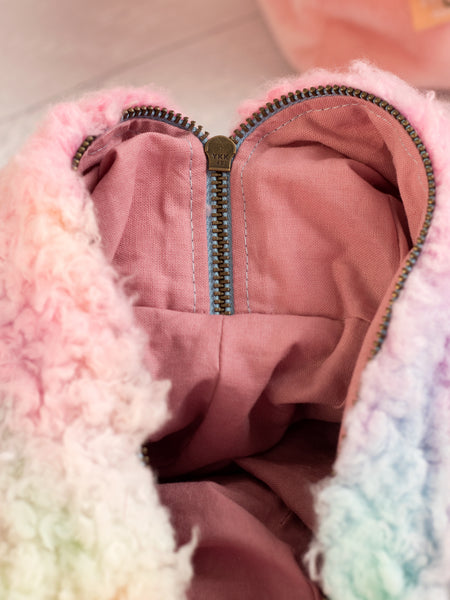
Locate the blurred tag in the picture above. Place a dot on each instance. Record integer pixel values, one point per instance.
(429, 13)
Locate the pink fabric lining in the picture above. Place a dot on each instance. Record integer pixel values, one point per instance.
(148, 182)
(327, 197)
(327, 200)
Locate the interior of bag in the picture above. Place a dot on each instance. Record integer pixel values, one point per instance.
(327, 198)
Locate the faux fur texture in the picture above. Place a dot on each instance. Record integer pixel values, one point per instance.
(384, 518)
(79, 514)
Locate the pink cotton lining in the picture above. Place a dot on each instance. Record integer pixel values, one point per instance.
(326, 199)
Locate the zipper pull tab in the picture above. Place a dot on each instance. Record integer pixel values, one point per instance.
(220, 151)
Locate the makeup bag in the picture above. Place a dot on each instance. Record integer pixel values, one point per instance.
(224, 360)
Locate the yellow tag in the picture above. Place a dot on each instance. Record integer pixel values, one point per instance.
(429, 13)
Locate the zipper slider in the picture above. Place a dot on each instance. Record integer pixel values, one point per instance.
(220, 151)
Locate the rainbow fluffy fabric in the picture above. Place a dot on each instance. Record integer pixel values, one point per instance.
(80, 516)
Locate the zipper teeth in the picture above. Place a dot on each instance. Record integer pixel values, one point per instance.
(221, 272)
(143, 455)
(342, 90)
(81, 150)
(163, 114)
(148, 112)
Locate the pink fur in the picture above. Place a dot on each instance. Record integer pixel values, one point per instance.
(78, 398)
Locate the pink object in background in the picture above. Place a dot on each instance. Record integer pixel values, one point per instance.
(330, 34)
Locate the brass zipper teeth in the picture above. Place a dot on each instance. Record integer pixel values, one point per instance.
(221, 245)
(342, 90)
(221, 278)
(81, 150)
(143, 455)
(163, 114)
(149, 112)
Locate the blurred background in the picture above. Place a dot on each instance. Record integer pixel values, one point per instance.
(208, 55)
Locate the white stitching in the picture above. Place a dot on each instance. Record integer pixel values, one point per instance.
(276, 129)
(404, 147)
(192, 226)
(245, 236)
(90, 152)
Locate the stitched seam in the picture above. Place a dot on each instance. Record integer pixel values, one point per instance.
(97, 149)
(404, 148)
(192, 226)
(391, 210)
(280, 127)
(245, 238)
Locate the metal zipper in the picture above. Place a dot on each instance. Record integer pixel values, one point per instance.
(149, 112)
(220, 151)
(219, 166)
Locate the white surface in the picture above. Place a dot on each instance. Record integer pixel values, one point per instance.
(206, 58)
